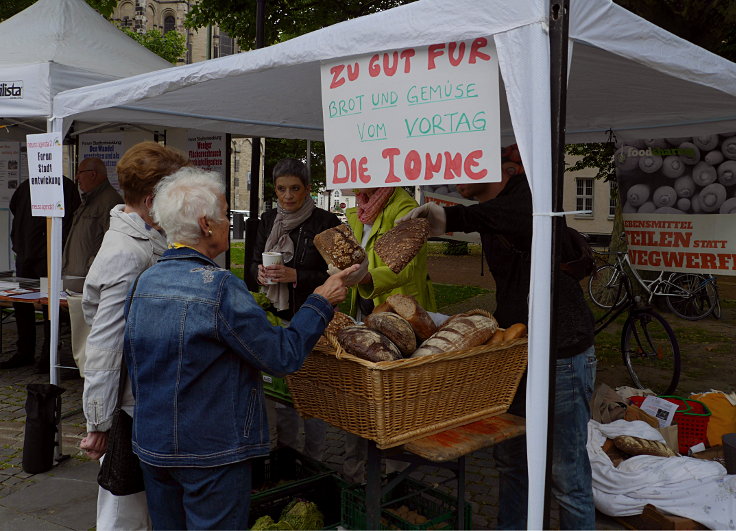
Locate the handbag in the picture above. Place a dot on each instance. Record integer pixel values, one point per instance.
(120, 472)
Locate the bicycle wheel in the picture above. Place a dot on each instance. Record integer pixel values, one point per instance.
(691, 296)
(604, 287)
(650, 352)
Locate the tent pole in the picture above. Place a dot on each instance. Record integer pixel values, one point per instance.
(558, 34)
(251, 224)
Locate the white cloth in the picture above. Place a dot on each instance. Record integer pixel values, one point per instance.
(128, 248)
(121, 513)
(683, 486)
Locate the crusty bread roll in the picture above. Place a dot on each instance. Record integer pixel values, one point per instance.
(394, 327)
(458, 333)
(401, 244)
(408, 308)
(496, 338)
(368, 344)
(338, 322)
(339, 247)
(638, 446)
(514, 331)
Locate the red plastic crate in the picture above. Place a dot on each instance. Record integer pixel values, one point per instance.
(691, 419)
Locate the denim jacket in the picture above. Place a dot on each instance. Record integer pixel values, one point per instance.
(195, 341)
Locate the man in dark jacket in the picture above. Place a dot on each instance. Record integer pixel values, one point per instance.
(28, 238)
(503, 217)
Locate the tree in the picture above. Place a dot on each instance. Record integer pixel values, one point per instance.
(8, 8)
(170, 46)
(284, 19)
(708, 23)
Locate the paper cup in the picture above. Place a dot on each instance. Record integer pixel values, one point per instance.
(271, 258)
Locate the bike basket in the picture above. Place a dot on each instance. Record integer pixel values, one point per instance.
(691, 418)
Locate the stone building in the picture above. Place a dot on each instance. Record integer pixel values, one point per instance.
(202, 44)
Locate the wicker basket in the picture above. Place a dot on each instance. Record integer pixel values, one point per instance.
(393, 402)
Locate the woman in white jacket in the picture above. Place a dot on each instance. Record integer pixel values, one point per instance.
(132, 244)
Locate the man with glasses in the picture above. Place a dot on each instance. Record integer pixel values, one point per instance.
(91, 219)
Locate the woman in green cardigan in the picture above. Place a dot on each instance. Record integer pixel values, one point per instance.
(375, 214)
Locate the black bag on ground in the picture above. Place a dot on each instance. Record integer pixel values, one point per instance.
(577, 256)
(120, 472)
(43, 412)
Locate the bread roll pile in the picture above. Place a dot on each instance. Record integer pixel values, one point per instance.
(401, 328)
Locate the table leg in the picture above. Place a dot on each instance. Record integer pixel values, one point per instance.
(373, 487)
(461, 492)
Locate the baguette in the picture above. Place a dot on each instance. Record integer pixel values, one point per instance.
(457, 334)
(638, 446)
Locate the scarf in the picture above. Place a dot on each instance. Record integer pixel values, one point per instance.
(279, 241)
(370, 207)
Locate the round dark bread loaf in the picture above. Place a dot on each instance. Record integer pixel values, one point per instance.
(394, 327)
(367, 344)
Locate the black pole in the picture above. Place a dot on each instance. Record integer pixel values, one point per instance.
(251, 224)
(558, 31)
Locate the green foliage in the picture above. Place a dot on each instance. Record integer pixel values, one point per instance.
(284, 19)
(237, 254)
(170, 46)
(447, 294)
(456, 248)
(708, 24)
(596, 155)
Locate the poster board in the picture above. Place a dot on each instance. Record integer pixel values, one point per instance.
(415, 116)
(45, 171)
(679, 203)
(109, 147)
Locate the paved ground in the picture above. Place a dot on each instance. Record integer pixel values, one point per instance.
(64, 497)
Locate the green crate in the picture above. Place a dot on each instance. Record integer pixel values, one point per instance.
(438, 508)
(282, 466)
(323, 490)
(276, 387)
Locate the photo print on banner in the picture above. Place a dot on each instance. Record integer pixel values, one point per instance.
(679, 201)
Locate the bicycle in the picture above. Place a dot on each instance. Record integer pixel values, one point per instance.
(690, 296)
(649, 347)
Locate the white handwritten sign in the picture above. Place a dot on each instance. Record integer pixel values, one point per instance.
(417, 116)
(45, 170)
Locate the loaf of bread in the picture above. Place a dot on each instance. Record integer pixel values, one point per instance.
(638, 446)
(396, 328)
(458, 333)
(339, 247)
(368, 344)
(408, 308)
(401, 244)
(338, 322)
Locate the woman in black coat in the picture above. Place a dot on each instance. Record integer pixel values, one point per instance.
(290, 229)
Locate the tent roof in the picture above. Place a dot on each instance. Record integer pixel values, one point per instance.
(71, 33)
(57, 45)
(625, 74)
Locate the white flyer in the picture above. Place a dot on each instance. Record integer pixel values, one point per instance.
(661, 409)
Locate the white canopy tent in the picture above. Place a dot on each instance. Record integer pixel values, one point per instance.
(51, 46)
(57, 45)
(625, 75)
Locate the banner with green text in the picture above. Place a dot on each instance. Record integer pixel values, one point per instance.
(417, 116)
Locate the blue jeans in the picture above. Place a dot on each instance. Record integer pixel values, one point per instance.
(571, 475)
(198, 498)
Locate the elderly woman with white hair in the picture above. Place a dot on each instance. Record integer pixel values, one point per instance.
(195, 341)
